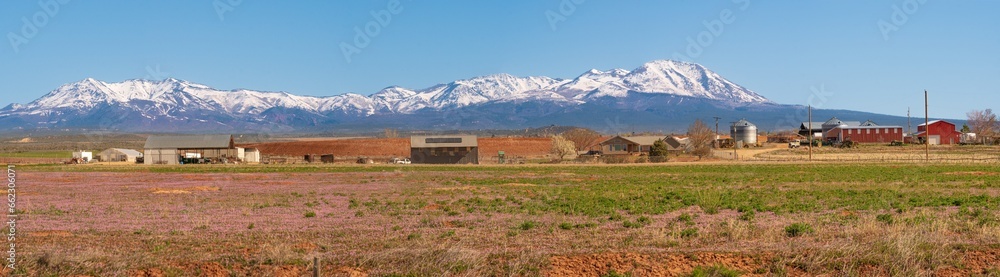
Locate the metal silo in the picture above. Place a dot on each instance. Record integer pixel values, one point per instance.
(744, 131)
(832, 123)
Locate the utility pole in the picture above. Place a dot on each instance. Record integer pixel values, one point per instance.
(908, 124)
(717, 124)
(733, 135)
(811, 133)
(927, 129)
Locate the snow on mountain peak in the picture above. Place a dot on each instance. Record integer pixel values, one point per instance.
(158, 98)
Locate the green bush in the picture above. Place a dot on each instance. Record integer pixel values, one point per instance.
(885, 218)
(527, 225)
(798, 229)
(689, 233)
(310, 214)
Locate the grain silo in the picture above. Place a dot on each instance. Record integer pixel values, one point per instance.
(744, 132)
(832, 123)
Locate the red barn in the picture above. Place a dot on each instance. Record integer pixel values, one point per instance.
(866, 134)
(941, 132)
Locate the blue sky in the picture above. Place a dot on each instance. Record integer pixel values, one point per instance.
(832, 52)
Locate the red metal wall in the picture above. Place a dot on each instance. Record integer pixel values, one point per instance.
(944, 129)
(870, 135)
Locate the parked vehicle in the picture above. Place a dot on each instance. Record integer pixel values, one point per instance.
(400, 161)
(794, 144)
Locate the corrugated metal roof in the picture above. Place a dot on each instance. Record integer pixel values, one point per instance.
(743, 123)
(179, 142)
(867, 127)
(444, 141)
(127, 152)
(936, 121)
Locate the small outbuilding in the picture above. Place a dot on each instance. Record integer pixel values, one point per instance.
(84, 156)
(190, 149)
(446, 149)
(120, 155)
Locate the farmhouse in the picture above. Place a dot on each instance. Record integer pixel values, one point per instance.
(120, 155)
(456, 149)
(940, 132)
(619, 145)
(190, 149)
(867, 132)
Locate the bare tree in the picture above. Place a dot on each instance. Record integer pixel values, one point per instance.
(561, 147)
(582, 137)
(700, 139)
(983, 123)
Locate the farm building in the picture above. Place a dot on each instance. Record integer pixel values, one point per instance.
(84, 156)
(619, 145)
(120, 155)
(940, 132)
(677, 144)
(820, 128)
(193, 149)
(867, 132)
(457, 149)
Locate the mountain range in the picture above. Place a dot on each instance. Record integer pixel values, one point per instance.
(660, 95)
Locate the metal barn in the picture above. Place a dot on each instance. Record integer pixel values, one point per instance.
(193, 149)
(457, 149)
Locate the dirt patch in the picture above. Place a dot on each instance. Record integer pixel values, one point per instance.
(973, 173)
(350, 272)
(212, 269)
(52, 233)
(519, 185)
(431, 207)
(152, 272)
(183, 190)
(457, 188)
(648, 265)
(973, 263)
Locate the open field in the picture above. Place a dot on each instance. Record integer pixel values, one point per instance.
(943, 153)
(855, 219)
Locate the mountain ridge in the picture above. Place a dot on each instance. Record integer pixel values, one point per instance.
(661, 89)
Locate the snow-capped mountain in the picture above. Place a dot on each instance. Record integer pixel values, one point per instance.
(173, 102)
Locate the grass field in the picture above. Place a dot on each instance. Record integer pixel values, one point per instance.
(878, 219)
(38, 154)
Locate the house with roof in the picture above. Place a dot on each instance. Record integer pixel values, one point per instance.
(622, 145)
(938, 132)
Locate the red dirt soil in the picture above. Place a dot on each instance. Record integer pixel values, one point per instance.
(648, 265)
(399, 147)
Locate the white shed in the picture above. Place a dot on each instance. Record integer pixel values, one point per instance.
(83, 155)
